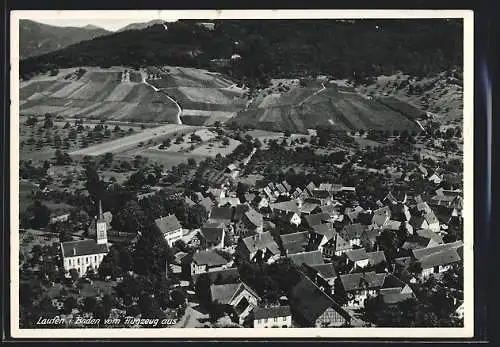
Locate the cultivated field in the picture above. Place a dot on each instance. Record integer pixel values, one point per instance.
(304, 108)
(96, 94)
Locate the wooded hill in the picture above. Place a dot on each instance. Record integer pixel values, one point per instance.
(277, 48)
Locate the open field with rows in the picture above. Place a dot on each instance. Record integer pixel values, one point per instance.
(305, 108)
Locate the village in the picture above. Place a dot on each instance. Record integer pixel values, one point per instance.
(216, 244)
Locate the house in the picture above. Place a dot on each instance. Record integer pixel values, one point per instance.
(291, 218)
(206, 203)
(213, 235)
(295, 242)
(369, 237)
(322, 197)
(396, 197)
(228, 201)
(221, 214)
(323, 275)
(285, 207)
(309, 207)
(205, 261)
(435, 178)
(311, 307)
(64, 217)
(394, 290)
(361, 259)
(438, 262)
(352, 233)
(316, 219)
(393, 225)
(432, 222)
(236, 298)
(422, 238)
(352, 213)
(381, 216)
(287, 186)
(272, 317)
(336, 246)
(170, 227)
(223, 276)
(262, 246)
(321, 235)
(438, 259)
(400, 212)
(254, 220)
(309, 258)
(85, 255)
(360, 286)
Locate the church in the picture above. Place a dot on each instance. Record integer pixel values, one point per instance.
(84, 255)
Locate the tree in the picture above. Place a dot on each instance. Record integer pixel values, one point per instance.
(130, 219)
(69, 304)
(89, 304)
(41, 215)
(202, 289)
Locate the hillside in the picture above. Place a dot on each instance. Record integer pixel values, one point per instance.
(354, 49)
(140, 26)
(440, 94)
(305, 108)
(37, 38)
(96, 94)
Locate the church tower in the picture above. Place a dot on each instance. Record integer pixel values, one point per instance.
(101, 232)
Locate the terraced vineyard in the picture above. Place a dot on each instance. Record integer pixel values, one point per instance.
(304, 108)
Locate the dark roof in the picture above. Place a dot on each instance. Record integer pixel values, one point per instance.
(212, 232)
(316, 219)
(326, 270)
(239, 211)
(221, 213)
(261, 241)
(370, 234)
(394, 295)
(254, 217)
(356, 281)
(356, 254)
(391, 281)
(308, 207)
(353, 213)
(168, 223)
(325, 229)
(295, 243)
(309, 302)
(209, 258)
(310, 258)
(226, 275)
(416, 221)
(271, 312)
(320, 194)
(82, 247)
(222, 293)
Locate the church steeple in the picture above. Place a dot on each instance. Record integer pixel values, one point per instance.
(101, 232)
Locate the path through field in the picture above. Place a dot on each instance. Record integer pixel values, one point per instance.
(122, 144)
(179, 112)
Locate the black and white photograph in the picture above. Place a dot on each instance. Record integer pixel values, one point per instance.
(179, 173)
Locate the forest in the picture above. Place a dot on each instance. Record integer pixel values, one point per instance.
(275, 48)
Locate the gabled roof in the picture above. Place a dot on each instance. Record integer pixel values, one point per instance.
(254, 217)
(391, 281)
(309, 302)
(392, 225)
(261, 241)
(329, 209)
(352, 213)
(429, 234)
(82, 247)
(376, 258)
(320, 194)
(356, 254)
(310, 258)
(286, 206)
(188, 201)
(286, 185)
(226, 276)
(168, 224)
(424, 207)
(281, 188)
(341, 244)
(326, 230)
(316, 219)
(222, 213)
(209, 258)
(310, 186)
(271, 312)
(212, 232)
(308, 207)
(231, 201)
(424, 252)
(370, 235)
(223, 293)
(444, 257)
(295, 242)
(358, 281)
(430, 218)
(416, 221)
(327, 271)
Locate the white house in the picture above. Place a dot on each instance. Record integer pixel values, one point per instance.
(272, 317)
(170, 227)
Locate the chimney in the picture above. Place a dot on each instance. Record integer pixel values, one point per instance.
(74, 251)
